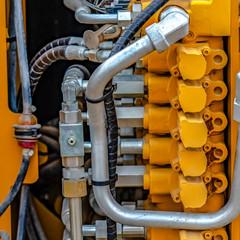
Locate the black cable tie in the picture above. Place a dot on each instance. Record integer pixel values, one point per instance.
(101, 99)
(105, 183)
(11, 39)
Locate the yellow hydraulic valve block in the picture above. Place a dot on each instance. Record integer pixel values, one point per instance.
(190, 96)
(191, 191)
(190, 127)
(202, 57)
(175, 234)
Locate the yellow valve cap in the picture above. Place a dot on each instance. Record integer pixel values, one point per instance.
(193, 192)
(192, 96)
(157, 88)
(157, 177)
(193, 130)
(190, 235)
(192, 162)
(159, 150)
(191, 63)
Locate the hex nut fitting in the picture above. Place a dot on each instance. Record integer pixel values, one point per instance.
(124, 18)
(136, 9)
(74, 189)
(73, 173)
(171, 29)
(70, 116)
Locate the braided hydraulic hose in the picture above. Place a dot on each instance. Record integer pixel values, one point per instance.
(57, 43)
(43, 62)
(123, 40)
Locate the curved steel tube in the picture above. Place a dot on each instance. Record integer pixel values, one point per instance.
(90, 18)
(103, 196)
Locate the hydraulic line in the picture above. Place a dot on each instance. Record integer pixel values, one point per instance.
(137, 23)
(51, 143)
(22, 213)
(22, 57)
(29, 227)
(18, 183)
(64, 52)
(50, 131)
(4, 235)
(56, 43)
(110, 109)
(32, 212)
(43, 62)
(12, 60)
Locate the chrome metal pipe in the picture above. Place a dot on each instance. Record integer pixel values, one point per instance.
(133, 231)
(131, 146)
(103, 196)
(90, 18)
(89, 230)
(177, 220)
(75, 205)
(87, 147)
(127, 146)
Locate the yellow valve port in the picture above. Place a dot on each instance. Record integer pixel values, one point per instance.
(191, 63)
(163, 151)
(192, 96)
(214, 203)
(157, 88)
(156, 119)
(175, 234)
(169, 60)
(193, 162)
(193, 130)
(160, 151)
(190, 235)
(166, 234)
(157, 180)
(190, 127)
(193, 192)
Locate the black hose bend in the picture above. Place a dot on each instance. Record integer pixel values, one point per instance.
(123, 40)
(18, 183)
(43, 62)
(51, 143)
(53, 44)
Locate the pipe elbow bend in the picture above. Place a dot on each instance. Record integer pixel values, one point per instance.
(174, 25)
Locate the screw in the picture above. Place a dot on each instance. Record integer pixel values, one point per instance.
(71, 141)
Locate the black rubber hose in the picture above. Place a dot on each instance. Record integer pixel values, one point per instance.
(17, 185)
(12, 62)
(23, 213)
(22, 57)
(53, 44)
(123, 40)
(51, 170)
(51, 143)
(30, 229)
(43, 62)
(137, 23)
(50, 131)
(36, 223)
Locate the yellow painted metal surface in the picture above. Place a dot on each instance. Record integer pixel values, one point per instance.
(10, 151)
(196, 91)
